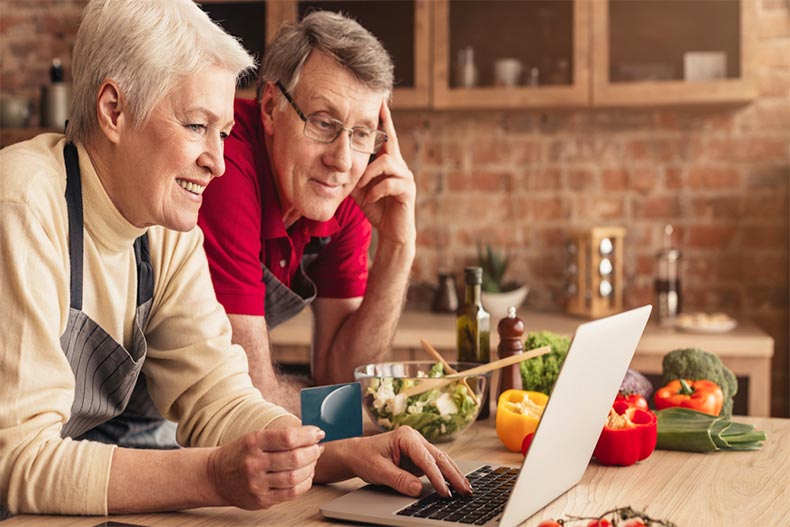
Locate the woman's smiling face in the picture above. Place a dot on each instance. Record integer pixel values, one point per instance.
(165, 164)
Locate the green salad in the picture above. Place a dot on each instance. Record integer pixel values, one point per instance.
(436, 414)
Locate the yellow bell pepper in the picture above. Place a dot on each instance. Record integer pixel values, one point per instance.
(517, 414)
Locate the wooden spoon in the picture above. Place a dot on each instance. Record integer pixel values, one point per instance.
(449, 369)
(432, 383)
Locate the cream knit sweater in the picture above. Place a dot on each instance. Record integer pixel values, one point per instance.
(195, 375)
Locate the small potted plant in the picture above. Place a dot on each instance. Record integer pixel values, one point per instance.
(497, 294)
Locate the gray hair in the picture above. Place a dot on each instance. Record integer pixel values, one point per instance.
(342, 38)
(147, 47)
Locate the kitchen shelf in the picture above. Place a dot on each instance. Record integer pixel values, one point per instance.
(638, 51)
(601, 53)
(542, 34)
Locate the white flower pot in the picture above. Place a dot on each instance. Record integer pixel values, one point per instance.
(497, 304)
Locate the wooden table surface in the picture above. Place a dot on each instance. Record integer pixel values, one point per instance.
(692, 490)
(746, 350)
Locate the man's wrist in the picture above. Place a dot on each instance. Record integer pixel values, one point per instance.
(396, 252)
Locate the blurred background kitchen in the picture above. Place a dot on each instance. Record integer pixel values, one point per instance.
(527, 122)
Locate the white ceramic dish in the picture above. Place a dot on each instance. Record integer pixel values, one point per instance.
(705, 322)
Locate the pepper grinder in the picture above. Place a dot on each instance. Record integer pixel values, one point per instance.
(510, 329)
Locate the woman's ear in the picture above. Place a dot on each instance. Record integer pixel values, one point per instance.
(267, 106)
(110, 110)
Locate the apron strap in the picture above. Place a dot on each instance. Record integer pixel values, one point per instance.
(74, 203)
(142, 255)
(145, 272)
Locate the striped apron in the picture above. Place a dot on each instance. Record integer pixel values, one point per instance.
(283, 302)
(108, 377)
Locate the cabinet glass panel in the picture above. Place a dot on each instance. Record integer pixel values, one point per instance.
(245, 20)
(392, 21)
(538, 34)
(670, 40)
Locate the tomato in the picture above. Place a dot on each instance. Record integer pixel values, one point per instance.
(599, 523)
(549, 523)
(633, 399)
(526, 442)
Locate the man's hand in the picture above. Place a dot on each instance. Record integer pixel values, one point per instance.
(267, 467)
(386, 191)
(395, 459)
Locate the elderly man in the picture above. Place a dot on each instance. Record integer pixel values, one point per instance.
(310, 166)
(105, 284)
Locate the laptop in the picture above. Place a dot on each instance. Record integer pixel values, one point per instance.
(561, 449)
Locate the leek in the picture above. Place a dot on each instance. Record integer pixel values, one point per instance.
(692, 431)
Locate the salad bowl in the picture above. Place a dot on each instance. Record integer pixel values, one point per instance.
(438, 414)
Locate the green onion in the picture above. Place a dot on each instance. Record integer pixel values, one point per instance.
(693, 431)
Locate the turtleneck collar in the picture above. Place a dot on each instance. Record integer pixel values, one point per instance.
(102, 220)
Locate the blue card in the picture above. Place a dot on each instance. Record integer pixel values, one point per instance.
(335, 409)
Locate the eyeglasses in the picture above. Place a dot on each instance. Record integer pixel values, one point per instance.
(324, 129)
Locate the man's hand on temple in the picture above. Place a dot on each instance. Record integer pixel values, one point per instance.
(386, 192)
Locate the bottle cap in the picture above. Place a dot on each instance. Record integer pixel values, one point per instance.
(473, 275)
(510, 327)
(56, 71)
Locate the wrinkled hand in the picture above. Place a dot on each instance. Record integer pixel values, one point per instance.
(386, 191)
(267, 467)
(397, 458)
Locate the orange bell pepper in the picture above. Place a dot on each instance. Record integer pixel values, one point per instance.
(517, 414)
(703, 396)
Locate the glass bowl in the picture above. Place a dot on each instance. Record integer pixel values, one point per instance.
(439, 414)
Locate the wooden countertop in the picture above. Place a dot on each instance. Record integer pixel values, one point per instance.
(746, 350)
(722, 488)
(439, 330)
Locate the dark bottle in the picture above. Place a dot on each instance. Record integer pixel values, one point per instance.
(473, 325)
(511, 330)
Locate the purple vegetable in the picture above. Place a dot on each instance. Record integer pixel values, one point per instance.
(635, 382)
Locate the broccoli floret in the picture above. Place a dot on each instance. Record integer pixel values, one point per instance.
(540, 373)
(696, 364)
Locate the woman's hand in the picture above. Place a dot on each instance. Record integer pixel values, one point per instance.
(267, 467)
(395, 459)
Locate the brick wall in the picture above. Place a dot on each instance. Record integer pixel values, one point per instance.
(32, 33)
(523, 179)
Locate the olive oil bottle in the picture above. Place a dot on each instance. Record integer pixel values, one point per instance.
(473, 326)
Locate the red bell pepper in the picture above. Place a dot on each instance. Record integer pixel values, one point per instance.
(633, 399)
(628, 436)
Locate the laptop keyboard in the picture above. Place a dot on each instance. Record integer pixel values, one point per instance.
(492, 487)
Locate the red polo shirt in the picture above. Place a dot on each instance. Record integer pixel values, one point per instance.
(243, 226)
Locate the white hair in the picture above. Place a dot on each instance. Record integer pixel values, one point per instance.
(147, 47)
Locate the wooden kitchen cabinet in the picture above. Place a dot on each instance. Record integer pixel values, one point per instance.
(573, 53)
(640, 48)
(549, 38)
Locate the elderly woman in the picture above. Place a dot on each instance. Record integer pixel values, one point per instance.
(104, 279)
